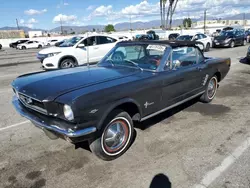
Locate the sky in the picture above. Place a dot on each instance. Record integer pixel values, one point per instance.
(47, 14)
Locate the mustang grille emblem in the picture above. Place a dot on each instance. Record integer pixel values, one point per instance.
(148, 104)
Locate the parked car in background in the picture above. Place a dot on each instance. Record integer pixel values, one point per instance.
(77, 51)
(173, 36)
(204, 39)
(247, 35)
(60, 42)
(1, 46)
(14, 44)
(230, 38)
(30, 44)
(132, 83)
(248, 54)
(150, 35)
(52, 42)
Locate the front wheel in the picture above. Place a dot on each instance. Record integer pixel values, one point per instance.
(67, 63)
(39, 46)
(23, 48)
(210, 91)
(207, 47)
(116, 136)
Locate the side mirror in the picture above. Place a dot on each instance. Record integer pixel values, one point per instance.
(81, 46)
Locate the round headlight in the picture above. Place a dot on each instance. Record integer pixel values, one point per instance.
(68, 113)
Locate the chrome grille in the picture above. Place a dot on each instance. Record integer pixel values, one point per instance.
(32, 103)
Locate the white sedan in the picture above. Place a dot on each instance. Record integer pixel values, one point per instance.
(52, 42)
(30, 44)
(204, 39)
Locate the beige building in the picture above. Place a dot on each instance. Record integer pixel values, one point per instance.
(8, 34)
(222, 22)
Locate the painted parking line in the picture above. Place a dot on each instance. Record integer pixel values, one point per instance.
(14, 125)
(212, 175)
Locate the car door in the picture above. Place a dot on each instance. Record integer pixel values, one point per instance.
(29, 44)
(87, 53)
(186, 77)
(104, 45)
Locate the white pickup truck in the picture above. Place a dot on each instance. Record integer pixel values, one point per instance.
(77, 51)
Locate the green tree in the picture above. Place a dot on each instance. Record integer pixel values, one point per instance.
(109, 28)
(93, 30)
(187, 22)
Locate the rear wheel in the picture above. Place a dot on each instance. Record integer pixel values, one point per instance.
(39, 46)
(244, 43)
(68, 63)
(116, 136)
(210, 91)
(232, 44)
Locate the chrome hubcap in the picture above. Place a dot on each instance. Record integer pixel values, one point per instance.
(67, 64)
(212, 88)
(115, 136)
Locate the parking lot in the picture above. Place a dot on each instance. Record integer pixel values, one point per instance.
(193, 145)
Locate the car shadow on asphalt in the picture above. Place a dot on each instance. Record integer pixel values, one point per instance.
(160, 181)
(167, 115)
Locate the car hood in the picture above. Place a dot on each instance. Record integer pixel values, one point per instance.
(52, 84)
(51, 50)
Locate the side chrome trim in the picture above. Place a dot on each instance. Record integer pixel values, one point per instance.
(172, 106)
(43, 125)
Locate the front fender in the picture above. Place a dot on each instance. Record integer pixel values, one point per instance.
(114, 105)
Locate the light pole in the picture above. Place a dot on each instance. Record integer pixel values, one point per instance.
(205, 19)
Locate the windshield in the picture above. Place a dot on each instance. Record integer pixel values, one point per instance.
(70, 42)
(141, 56)
(185, 37)
(226, 33)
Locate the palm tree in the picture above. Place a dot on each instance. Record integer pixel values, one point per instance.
(172, 4)
(164, 12)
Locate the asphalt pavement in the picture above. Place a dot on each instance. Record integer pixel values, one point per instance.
(193, 145)
(12, 56)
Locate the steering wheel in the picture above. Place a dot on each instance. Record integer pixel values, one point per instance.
(118, 57)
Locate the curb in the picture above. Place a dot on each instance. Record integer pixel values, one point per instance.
(17, 63)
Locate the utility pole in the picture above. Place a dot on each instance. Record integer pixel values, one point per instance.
(17, 24)
(244, 18)
(61, 25)
(205, 19)
(130, 22)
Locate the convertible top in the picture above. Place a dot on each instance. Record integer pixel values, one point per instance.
(173, 44)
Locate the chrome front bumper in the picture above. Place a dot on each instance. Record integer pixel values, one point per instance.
(38, 122)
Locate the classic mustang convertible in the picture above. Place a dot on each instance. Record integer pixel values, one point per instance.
(133, 82)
